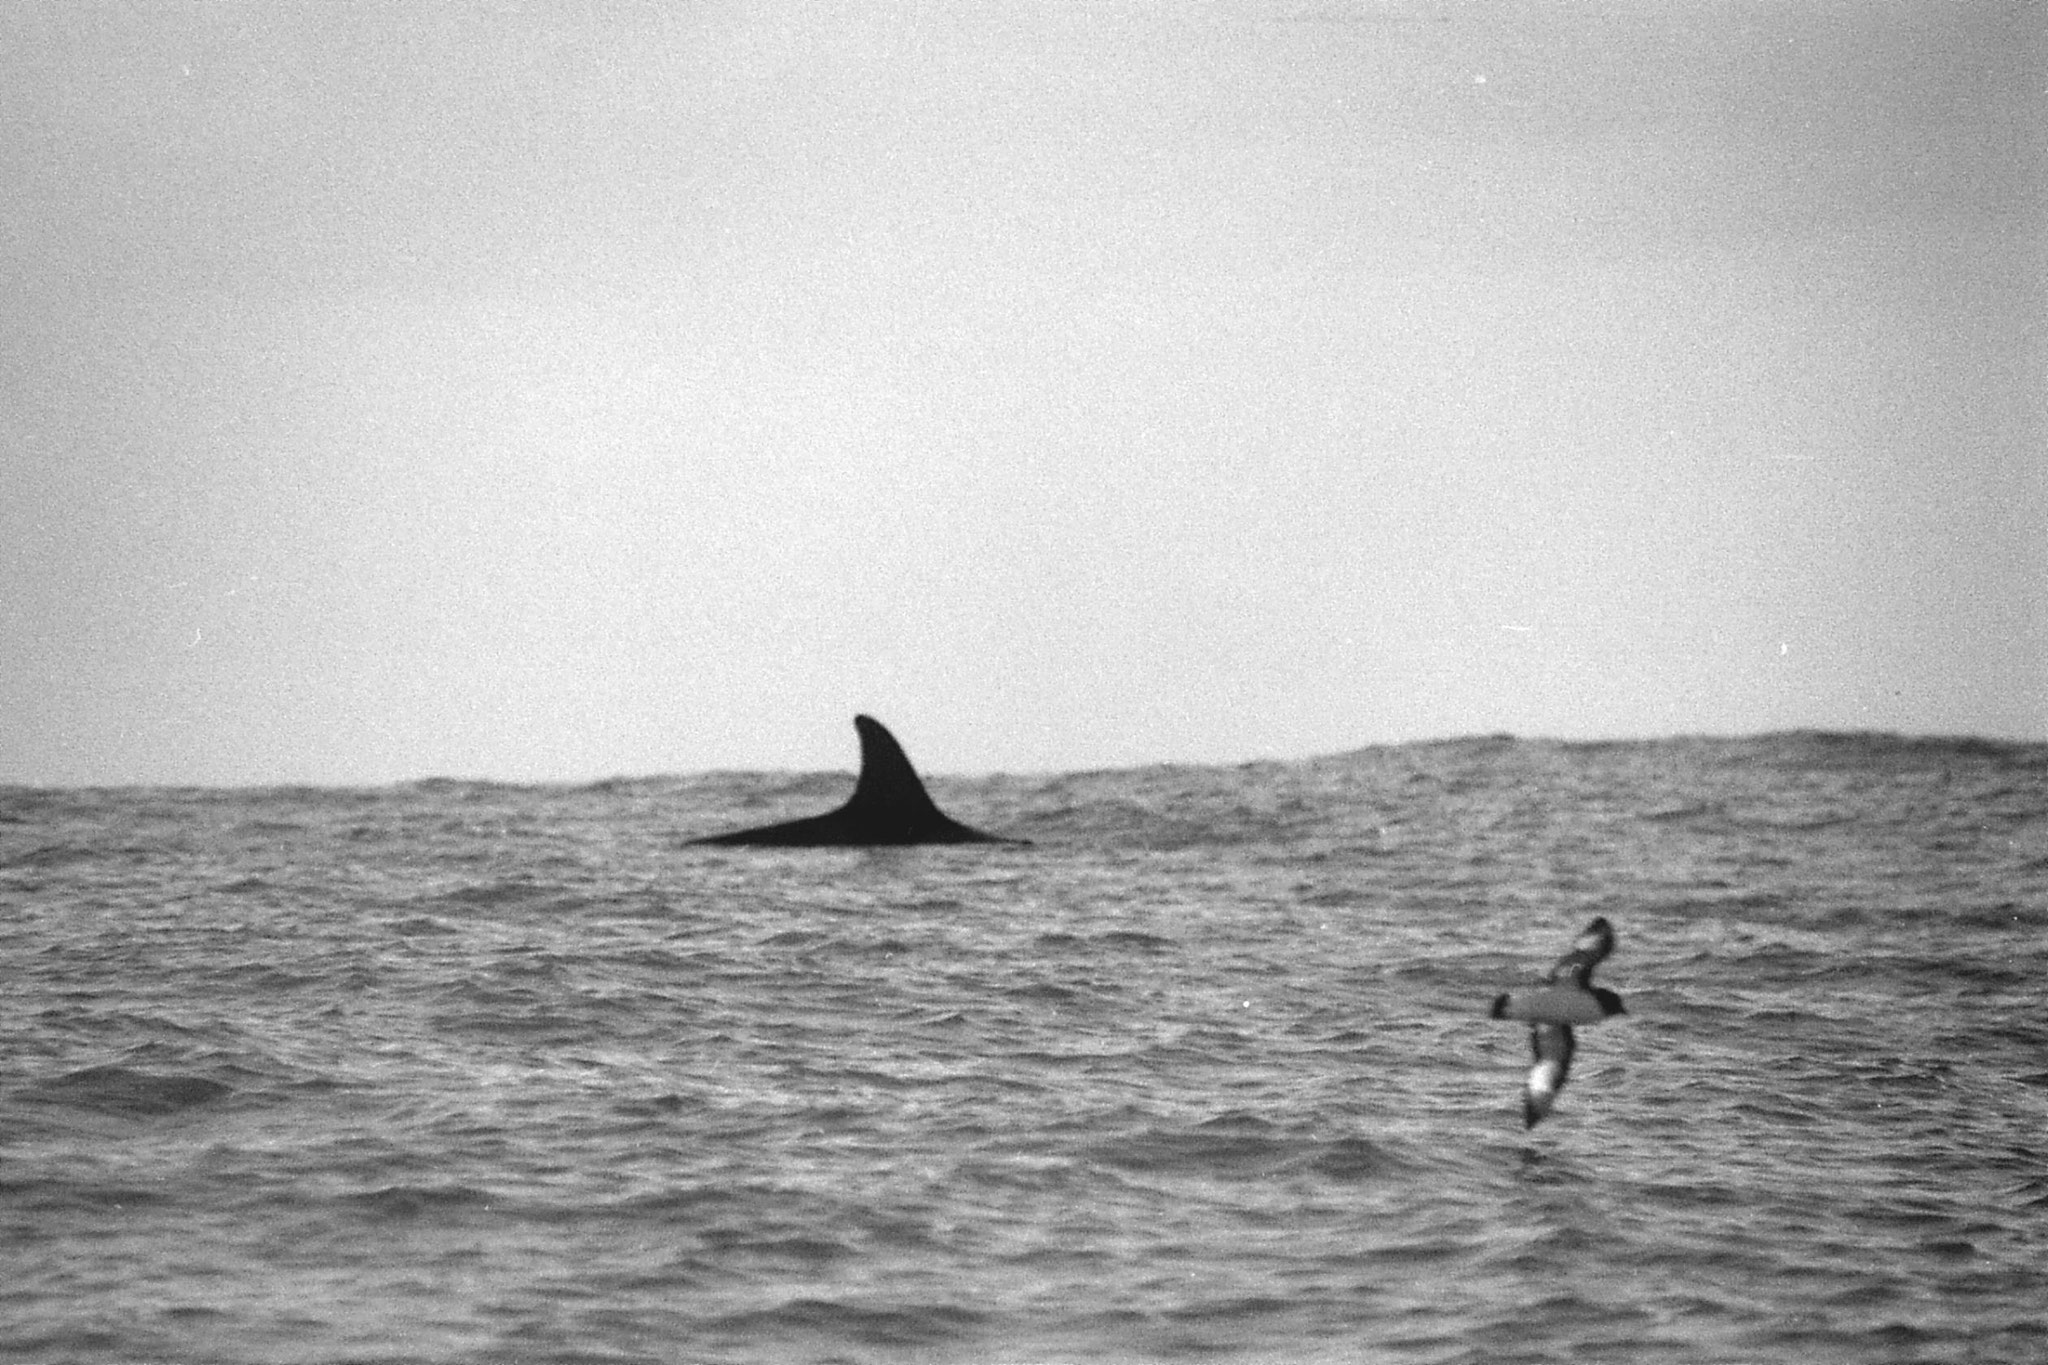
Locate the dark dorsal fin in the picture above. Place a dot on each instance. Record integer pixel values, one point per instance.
(889, 789)
(889, 805)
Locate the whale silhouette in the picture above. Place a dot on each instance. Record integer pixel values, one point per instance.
(889, 805)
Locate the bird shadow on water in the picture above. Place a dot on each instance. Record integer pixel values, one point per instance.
(1555, 1273)
(1540, 1166)
(1555, 1204)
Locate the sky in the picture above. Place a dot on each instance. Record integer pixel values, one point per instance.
(549, 391)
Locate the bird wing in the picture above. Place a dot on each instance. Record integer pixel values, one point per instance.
(1588, 951)
(1551, 1044)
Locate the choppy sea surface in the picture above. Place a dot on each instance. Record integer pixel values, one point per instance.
(463, 1072)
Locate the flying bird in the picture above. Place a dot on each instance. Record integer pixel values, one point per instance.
(1566, 997)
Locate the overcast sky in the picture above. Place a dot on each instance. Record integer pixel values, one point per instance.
(560, 390)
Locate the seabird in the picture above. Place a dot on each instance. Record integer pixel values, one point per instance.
(1566, 997)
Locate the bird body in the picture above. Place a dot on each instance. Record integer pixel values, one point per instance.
(1555, 1005)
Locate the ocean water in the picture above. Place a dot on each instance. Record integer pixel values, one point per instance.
(462, 1072)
